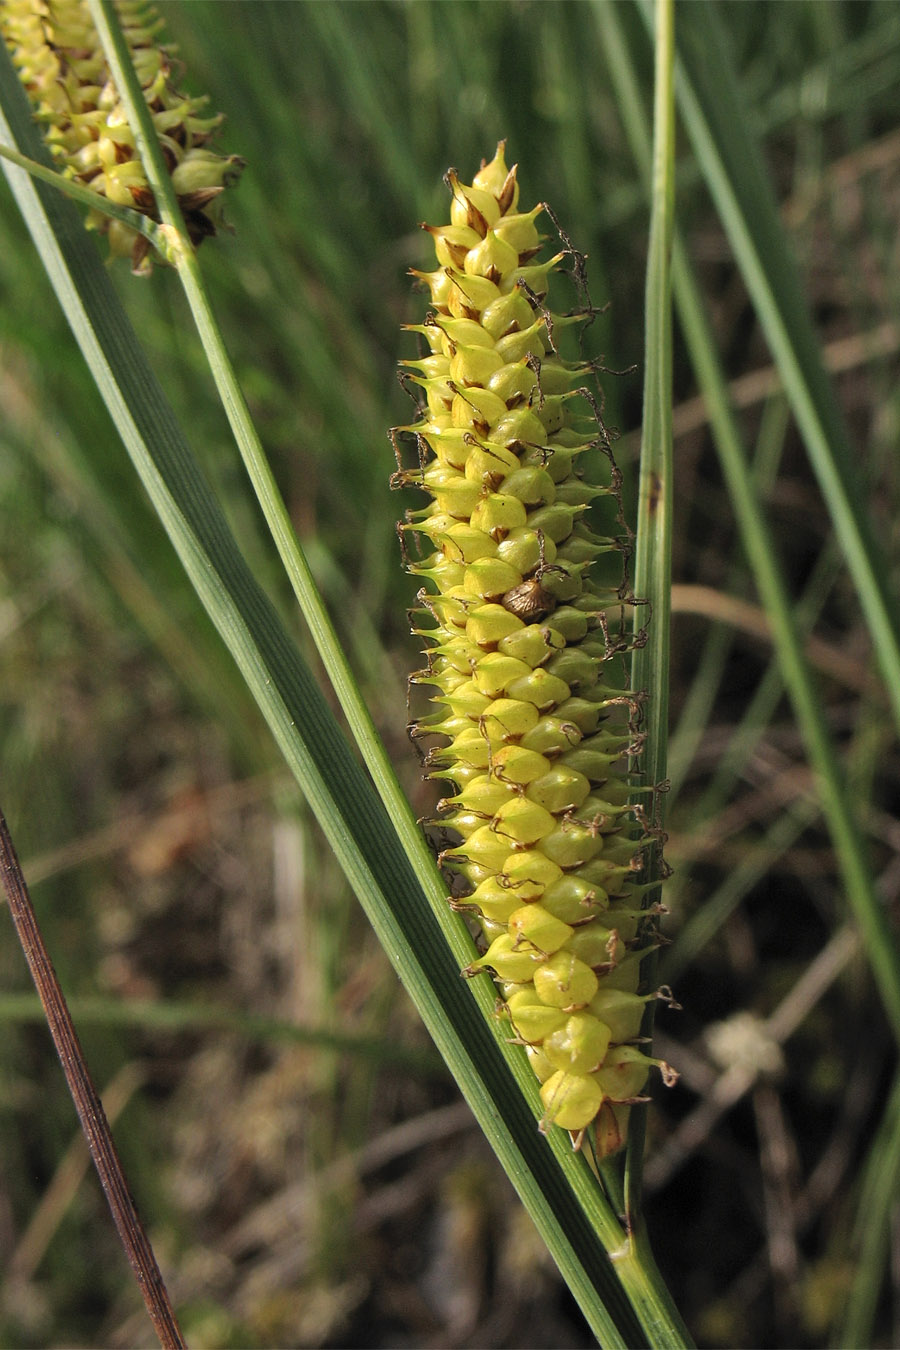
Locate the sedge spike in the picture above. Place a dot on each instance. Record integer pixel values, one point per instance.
(57, 54)
(524, 608)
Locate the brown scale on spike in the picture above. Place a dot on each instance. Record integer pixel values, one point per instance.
(537, 728)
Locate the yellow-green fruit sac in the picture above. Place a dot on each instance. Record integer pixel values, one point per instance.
(56, 51)
(526, 613)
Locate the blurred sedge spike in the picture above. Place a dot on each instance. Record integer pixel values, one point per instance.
(60, 61)
(525, 610)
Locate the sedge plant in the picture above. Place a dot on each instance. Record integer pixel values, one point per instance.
(620, 1292)
(595, 1231)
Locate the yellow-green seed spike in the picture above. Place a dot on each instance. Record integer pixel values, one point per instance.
(60, 61)
(528, 658)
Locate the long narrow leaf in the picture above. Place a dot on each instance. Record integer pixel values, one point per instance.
(763, 556)
(653, 553)
(731, 162)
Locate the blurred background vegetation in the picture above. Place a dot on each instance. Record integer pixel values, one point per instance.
(305, 1167)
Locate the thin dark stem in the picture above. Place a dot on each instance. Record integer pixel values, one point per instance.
(87, 1102)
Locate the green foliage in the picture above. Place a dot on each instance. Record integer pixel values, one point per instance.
(178, 862)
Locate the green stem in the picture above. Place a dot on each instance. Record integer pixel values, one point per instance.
(653, 552)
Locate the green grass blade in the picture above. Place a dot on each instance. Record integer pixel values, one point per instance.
(731, 162)
(557, 1187)
(653, 547)
(763, 557)
(85, 195)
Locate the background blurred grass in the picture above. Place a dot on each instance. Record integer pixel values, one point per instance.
(314, 1197)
